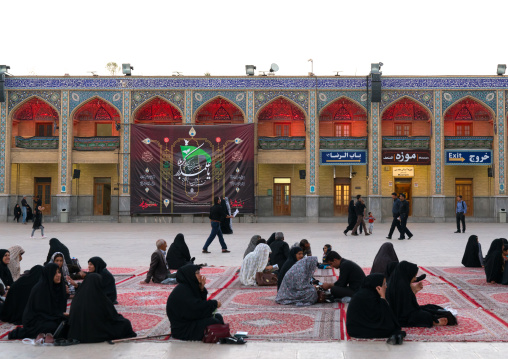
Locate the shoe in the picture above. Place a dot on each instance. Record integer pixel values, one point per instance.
(463, 231)
(354, 234)
(225, 251)
(232, 340)
(205, 251)
(410, 237)
(396, 339)
(43, 237)
(367, 234)
(401, 239)
(32, 237)
(388, 237)
(456, 232)
(345, 233)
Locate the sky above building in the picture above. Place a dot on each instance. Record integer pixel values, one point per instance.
(159, 38)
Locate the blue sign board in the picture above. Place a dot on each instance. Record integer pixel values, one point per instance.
(343, 157)
(469, 157)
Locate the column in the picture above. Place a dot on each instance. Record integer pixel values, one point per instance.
(188, 107)
(125, 198)
(64, 158)
(501, 199)
(437, 209)
(375, 139)
(5, 163)
(312, 167)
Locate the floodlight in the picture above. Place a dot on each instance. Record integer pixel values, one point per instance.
(376, 68)
(4, 68)
(274, 67)
(126, 69)
(249, 70)
(501, 69)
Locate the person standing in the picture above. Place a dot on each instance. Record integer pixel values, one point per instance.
(24, 205)
(360, 211)
(17, 213)
(371, 222)
(38, 222)
(217, 214)
(404, 213)
(351, 216)
(460, 214)
(395, 214)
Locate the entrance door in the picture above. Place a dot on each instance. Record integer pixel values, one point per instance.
(403, 185)
(43, 191)
(282, 197)
(102, 196)
(342, 196)
(464, 188)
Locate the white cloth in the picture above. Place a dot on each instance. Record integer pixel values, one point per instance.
(254, 262)
(14, 266)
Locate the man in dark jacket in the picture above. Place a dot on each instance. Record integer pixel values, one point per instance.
(158, 271)
(217, 214)
(395, 214)
(280, 250)
(350, 277)
(360, 212)
(404, 213)
(351, 216)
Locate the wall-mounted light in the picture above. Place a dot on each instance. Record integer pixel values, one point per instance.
(126, 69)
(249, 70)
(501, 69)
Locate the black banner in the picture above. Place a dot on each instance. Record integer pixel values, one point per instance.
(179, 169)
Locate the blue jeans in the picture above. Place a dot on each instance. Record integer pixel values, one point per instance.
(23, 210)
(216, 231)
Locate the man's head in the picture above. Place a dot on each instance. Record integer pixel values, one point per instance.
(216, 200)
(358, 196)
(24, 197)
(459, 198)
(402, 197)
(161, 244)
(394, 195)
(279, 236)
(333, 259)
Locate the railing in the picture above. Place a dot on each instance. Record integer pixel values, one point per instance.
(281, 143)
(99, 143)
(37, 143)
(420, 142)
(468, 142)
(343, 142)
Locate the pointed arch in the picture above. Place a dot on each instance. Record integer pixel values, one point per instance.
(406, 117)
(95, 117)
(158, 110)
(219, 110)
(355, 109)
(472, 105)
(110, 108)
(284, 98)
(281, 117)
(33, 117)
(417, 106)
(467, 117)
(19, 106)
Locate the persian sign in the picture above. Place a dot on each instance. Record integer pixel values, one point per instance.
(343, 157)
(406, 157)
(465, 157)
(403, 172)
(180, 169)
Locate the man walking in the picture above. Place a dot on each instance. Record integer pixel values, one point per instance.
(217, 214)
(403, 214)
(460, 214)
(395, 214)
(360, 213)
(351, 216)
(24, 204)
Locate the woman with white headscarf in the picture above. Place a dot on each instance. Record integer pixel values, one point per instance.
(16, 257)
(253, 263)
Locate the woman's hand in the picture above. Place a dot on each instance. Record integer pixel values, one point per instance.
(219, 304)
(269, 268)
(416, 287)
(72, 282)
(202, 282)
(326, 286)
(381, 291)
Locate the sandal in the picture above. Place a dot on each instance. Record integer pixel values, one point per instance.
(232, 340)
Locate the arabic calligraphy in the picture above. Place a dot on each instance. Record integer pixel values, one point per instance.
(469, 157)
(191, 171)
(343, 157)
(406, 157)
(145, 205)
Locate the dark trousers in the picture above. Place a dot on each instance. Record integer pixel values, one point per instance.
(216, 231)
(395, 224)
(341, 292)
(351, 223)
(16, 217)
(460, 216)
(361, 223)
(403, 229)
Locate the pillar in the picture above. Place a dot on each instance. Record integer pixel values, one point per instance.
(500, 199)
(65, 157)
(312, 169)
(5, 163)
(437, 205)
(124, 178)
(375, 139)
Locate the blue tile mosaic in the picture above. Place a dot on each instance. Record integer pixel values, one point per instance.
(63, 132)
(425, 98)
(327, 97)
(312, 141)
(487, 97)
(501, 117)
(76, 98)
(437, 141)
(17, 97)
(3, 134)
(250, 106)
(126, 142)
(188, 106)
(261, 98)
(375, 148)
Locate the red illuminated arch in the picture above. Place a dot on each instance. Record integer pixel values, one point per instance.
(158, 111)
(406, 109)
(468, 109)
(34, 117)
(343, 118)
(219, 111)
(281, 118)
(92, 114)
(35, 109)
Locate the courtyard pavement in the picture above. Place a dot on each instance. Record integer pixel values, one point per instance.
(132, 244)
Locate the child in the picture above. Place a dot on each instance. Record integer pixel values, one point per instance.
(326, 249)
(38, 222)
(371, 222)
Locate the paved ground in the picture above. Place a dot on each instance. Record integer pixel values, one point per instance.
(132, 244)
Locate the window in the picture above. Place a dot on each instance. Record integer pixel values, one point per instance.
(463, 129)
(342, 130)
(403, 129)
(282, 129)
(44, 129)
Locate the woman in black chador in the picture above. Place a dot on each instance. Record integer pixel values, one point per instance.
(178, 253)
(46, 305)
(226, 224)
(473, 256)
(384, 256)
(17, 212)
(93, 318)
(402, 299)
(187, 308)
(5, 273)
(97, 265)
(369, 315)
(494, 261)
(56, 246)
(19, 293)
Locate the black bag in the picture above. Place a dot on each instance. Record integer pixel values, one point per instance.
(439, 312)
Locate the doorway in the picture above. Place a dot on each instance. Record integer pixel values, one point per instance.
(464, 188)
(341, 196)
(403, 185)
(102, 196)
(43, 191)
(282, 196)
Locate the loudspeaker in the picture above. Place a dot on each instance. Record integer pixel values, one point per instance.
(376, 91)
(490, 172)
(302, 174)
(76, 174)
(2, 88)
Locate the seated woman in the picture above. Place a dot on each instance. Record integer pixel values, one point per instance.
(187, 308)
(19, 293)
(402, 299)
(473, 256)
(494, 261)
(254, 262)
(56, 246)
(327, 248)
(296, 288)
(252, 244)
(178, 253)
(5, 273)
(16, 257)
(384, 256)
(46, 305)
(97, 265)
(58, 259)
(295, 254)
(305, 246)
(93, 318)
(369, 315)
(271, 239)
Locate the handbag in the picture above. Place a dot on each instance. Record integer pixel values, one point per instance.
(215, 332)
(321, 296)
(266, 279)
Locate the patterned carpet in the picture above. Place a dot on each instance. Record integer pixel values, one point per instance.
(482, 309)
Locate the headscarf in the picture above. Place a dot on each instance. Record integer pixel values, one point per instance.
(494, 261)
(385, 255)
(471, 256)
(178, 253)
(296, 287)
(288, 264)
(19, 293)
(187, 276)
(271, 239)
(56, 246)
(254, 262)
(399, 293)
(93, 318)
(252, 244)
(108, 281)
(14, 266)
(65, 270)
(5, 273)
(390, 267)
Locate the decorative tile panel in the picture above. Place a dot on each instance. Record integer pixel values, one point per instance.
(63, 130)
(250, 106)
(177, 98)
(126, 142)
(17, 97)
(419, 142)
(426, 98)
(188, 106)
(38, 143)
(312, 141)
(236, 97)
(80, 97)
(3, 139)
(281, 143)
(468, 142)
(437, 140)
(487, 97)
(343, 142)
(375, 146)
(501, 118)
(261, 98)
(327, 97)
